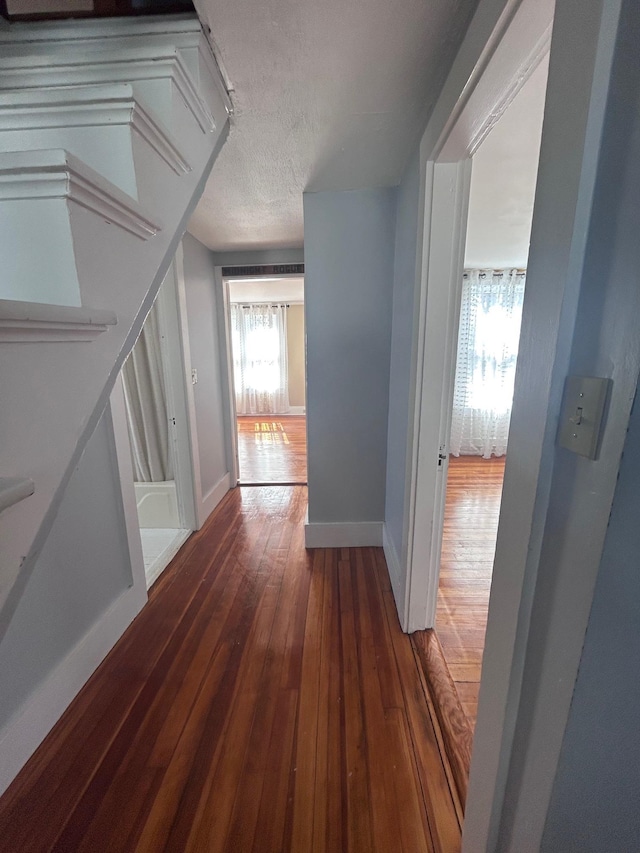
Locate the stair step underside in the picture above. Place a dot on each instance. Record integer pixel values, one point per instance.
(142, 67)
(36, 113)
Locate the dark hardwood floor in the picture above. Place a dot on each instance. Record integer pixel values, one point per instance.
(272, 449)
(264, 700)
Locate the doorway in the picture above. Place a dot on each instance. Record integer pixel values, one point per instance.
(501, 200)
(267, 354)
(150, 379)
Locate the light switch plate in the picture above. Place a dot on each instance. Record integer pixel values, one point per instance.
(585, 398)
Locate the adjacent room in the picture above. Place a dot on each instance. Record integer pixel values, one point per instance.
(266, 323)
(497, 246)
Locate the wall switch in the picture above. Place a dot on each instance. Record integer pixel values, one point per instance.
(583, 408)
(194, 376)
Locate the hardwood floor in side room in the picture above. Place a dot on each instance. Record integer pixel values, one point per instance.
(474, 492)
(272, 448)
(264, 700)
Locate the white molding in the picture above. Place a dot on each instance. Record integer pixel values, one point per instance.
(158, 137)
(23, 322)
(529, 64)
(296, 410)
(349, 534)
(228, 384)
(132, 66)
(55, 173)
(213, 497)
(13, 490)
(24, 733)
(101, 105)
(395, 571)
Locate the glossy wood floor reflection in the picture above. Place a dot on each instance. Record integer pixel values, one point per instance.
(272, 449)
(264, 700)
(474, 491)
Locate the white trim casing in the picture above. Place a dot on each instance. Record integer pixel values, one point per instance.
(395, 571)
(349, 534)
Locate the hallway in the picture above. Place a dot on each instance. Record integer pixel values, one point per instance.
(264, 700)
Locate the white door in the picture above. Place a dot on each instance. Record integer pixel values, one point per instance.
(450, 183)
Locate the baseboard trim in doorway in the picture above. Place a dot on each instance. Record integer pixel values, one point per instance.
(395, 573)
(350, 534)
(457, 734)
(296, 410)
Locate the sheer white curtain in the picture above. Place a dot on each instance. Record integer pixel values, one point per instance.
(490, 316)
(146, 407)
(259, 342)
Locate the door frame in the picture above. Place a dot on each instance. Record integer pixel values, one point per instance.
(512, 52)
(228, 381)
(532, 654)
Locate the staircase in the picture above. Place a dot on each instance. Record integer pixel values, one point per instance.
(108, 131)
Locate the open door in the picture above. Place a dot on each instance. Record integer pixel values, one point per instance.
(449, 185)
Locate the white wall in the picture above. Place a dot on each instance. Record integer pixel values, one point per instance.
(203, 316)
(348, 295)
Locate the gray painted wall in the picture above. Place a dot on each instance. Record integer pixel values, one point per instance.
(596, 795)
(203, 316)
(349, 248)
(404, 287)
(583, 583)
(594, 806)
(82, 569)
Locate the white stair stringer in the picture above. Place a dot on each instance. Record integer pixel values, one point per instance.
(74, 239)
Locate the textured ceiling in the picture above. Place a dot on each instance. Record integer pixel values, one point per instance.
(328, 94)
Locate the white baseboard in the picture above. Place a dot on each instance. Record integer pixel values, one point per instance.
(29, 726)
(350, 534)
(211, 500)
(296, 410)
(395, 574)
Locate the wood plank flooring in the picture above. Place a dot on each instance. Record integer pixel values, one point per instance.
(272, 449)
(474, 491)
(264, 700)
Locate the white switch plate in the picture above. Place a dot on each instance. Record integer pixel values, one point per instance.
(583, 408)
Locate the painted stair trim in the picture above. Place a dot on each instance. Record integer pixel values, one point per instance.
(54, 173)
(128, 66)
(22, 322)
(88, 29)
(107, 105)
(13, 490)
